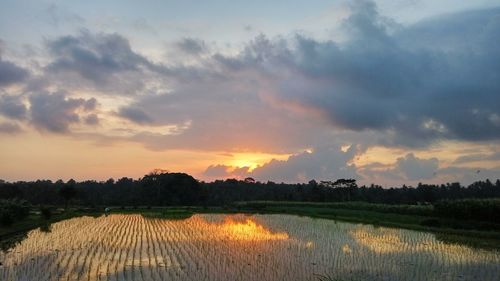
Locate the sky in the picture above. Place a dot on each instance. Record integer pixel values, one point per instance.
(386, 92)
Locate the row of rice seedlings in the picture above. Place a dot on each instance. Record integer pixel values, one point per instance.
(218, 247)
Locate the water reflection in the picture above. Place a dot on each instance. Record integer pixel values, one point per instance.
(248, 229)
(238, 247)
(391, 241)
(384, 241)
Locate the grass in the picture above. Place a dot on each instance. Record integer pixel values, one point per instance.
(159, 213)
(13, 234)
(35, 220)
(422, 210)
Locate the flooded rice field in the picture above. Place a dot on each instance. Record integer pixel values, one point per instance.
(239, 247)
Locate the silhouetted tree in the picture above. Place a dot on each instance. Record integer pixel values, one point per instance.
(67, 192)
(249, 180)
(163, 188)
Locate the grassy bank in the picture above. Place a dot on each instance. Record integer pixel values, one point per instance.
(15, 232)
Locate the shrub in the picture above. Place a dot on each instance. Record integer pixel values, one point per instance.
(6, 218)
(46, 212)
(469, 209)
(13, 210)
(431, 222)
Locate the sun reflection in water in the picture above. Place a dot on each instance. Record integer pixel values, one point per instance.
(248, 229)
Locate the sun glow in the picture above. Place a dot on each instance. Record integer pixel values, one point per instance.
(253, 160)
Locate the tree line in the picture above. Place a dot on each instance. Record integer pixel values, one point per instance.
(180, 189)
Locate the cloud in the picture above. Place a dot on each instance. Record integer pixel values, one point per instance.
(107, 63)
(191, 46)
(11, 73)
(292, 92)
(102, 61)
(12, 107)
(376, 80)
(55, 112)
(385, 80)
(135, 115)
(414, 168)
(383, 84)
(468, 175)
(92, 119)
(217, 171)
(407, 168)
(495, 156)
(226, 116)
(325, 163)
(94, 57)
(9, 128)
(321, 164)
(224, 171)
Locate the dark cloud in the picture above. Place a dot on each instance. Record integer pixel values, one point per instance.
(11, 73)
(92, 119)
(384, 84)
(414, 168)
(376, 80)
(9, 128)
(135, 115)
(324, 163)
(94, 56)
(468, 175)
(106, 61)
(192, 46)
(217, 171)
(495, 156)
(12, 107)
(55, 112)
(386, 79)
(224, 171)
(407, 168)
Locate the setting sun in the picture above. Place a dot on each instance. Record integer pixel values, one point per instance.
(253, 160)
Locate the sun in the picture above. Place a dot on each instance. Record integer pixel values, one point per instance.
(253, 160)
(244, 163)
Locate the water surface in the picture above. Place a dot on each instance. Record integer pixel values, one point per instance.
(239, 247)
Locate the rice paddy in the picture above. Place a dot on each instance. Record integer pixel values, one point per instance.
(239, 247)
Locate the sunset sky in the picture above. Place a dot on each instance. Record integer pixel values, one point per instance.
(389, 92)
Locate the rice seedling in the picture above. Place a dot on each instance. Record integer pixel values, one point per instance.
(238, 247)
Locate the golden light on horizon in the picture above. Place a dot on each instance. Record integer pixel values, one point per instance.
(253, 160)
